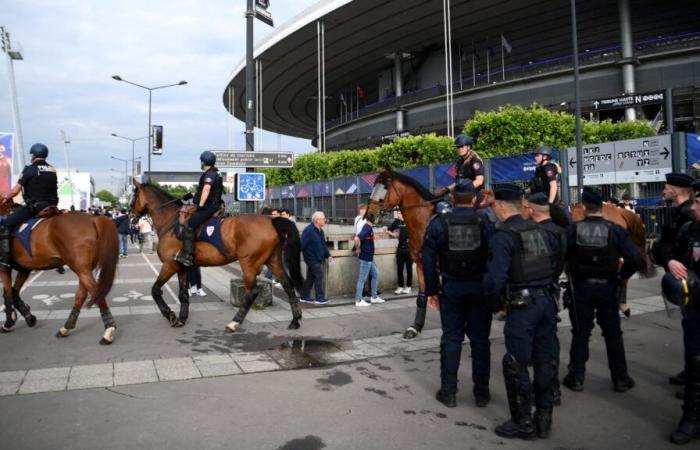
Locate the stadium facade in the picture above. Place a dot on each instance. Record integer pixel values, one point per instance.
(385, 70)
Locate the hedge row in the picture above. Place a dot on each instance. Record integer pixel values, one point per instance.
(510, 130)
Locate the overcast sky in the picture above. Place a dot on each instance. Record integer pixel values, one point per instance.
(72, 48)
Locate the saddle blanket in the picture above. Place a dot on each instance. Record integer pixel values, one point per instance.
(24, 232)
(210, 232)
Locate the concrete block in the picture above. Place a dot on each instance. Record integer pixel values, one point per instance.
(10, 381)
(134, 372)
(91, 376)
(264, 298)
(45, 380)
(176, 369)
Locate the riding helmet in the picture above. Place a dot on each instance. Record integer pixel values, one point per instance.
(462, 139)
(208, 158)
(680, 292)
(39, 151)
(544, 150)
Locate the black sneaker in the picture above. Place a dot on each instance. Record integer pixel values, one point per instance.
(543, 422)
(524, 429)
(447, 399)
(482, 395)
(573, 382)
(623, 384)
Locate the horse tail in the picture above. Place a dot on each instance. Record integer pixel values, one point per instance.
(635, 227)
(291, 245)
(107, 257)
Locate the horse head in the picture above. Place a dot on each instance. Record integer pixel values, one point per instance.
(139, 202)
(394, 190)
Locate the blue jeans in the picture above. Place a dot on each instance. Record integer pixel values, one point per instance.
(314, 277)
(122, 243)
(366, 268)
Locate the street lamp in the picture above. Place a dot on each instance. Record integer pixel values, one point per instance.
(13, 54)
(133, 159)
(150, 95)
(126, 171)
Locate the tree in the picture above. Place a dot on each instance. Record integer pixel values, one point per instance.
(106, 196)
(176, 191)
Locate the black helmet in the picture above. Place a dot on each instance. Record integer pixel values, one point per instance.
(680, 292)
(442, 208)
(462, 139)
(544, 150)
(208, 158)
(39, 151)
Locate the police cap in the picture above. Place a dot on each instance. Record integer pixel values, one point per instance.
(39, 151)
(544, 150)
(538, 198)
(679, 180)
(508, 192)
(465, 185)
(592, 196)
(462, 139)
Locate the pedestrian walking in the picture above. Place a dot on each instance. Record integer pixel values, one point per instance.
(194, 279)
(399, 230)
(365, 253)
(315, 251)
(459, 240)
(145, 231)
(520, 271)
(594, 249)
(121, 221)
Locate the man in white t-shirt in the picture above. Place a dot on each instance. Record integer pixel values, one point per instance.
(145, 232)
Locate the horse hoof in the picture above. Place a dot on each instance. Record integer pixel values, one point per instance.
(410, 333)
(295, 325)
(108, 337)
(172, 318)
(62, 333)
(104, 341)
(6, 329)
(31, 320)
(232, 326)
(178, 324)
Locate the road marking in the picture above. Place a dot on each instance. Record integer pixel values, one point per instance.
(177, 300)
(26, 285)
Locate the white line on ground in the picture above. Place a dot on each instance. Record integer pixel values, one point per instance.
(177, 300)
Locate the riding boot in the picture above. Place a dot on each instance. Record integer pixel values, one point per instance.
(447, 395)
(520, 424)
(184, 257)
(689, 427)
(481, 391)
(5, 246)
(543, 422)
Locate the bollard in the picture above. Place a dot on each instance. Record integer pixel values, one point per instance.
(264, 298)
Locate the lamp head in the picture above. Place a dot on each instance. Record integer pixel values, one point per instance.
(117, 77)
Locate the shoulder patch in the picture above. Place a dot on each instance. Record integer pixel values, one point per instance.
(476, 165)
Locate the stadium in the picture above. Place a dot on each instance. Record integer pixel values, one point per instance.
(384, 65)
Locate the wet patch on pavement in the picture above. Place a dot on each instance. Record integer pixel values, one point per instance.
(333, 380)
(470, 425)
(306, 443)
(380, 392)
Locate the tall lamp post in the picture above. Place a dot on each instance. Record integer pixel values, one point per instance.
(133, 158)
(150, 95)
(120, 172)
(13, 55)
(126, 173)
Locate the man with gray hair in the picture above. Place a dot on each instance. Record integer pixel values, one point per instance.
(313, 246)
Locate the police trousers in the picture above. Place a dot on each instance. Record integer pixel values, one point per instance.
(463, 310)
(599, 301)
(202, 215)
(530, 333)
(23, 213)
(691, 333)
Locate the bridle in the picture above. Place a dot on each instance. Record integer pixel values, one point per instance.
(379, 193)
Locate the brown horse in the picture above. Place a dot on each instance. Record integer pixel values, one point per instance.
(417, 205)
(252, 240)
(84, 243)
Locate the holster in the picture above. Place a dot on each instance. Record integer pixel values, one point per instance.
(516, 299)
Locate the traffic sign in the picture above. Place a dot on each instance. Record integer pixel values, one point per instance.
(628, 101)
(226, 159)
(250, 187)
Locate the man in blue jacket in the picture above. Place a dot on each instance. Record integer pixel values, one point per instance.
(122, 224)
(313, 246)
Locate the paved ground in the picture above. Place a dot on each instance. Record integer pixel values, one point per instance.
(346, 379)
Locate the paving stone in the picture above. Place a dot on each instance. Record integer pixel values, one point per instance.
(176, 369)
(345, 310)
(10, 381)
(134, 372)
(45, 380)
(258, 366)
(424, 344)
(391, 339)
(217, 370)
(260, 318)
(320, 313)
(363, 350)
(249, 356)
(212, 359)
(91, 376)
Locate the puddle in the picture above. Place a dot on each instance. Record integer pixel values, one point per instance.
(333, 380)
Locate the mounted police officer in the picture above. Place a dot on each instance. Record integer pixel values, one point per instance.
(594, 249)
(208, 201)
(539, 212)
(682, 287)
(546, 175)
(39, 186)
(520, 270)
(459, 241)
(468, 166)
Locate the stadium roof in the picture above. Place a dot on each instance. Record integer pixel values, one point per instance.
(361, 33)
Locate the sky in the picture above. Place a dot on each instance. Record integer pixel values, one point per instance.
(72, 48)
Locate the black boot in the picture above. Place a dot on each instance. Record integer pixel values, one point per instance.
(482, 395)
(689, 427)
(543, 422)
(520, 424)
(447, 395)
(556, 391)
(5, 246)
(573, 382)
(623, 384)
(184, 257)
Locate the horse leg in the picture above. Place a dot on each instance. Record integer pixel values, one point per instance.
(109, 323)
(80, 296)
(252, 291)
(622, 299)
(275, 265)
(421, 308)
(166, 272)
(22, 307)
(184, 296)
(10, 313)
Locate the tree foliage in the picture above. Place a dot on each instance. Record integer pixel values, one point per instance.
(176, 191)
(510, 130)
(106, 196)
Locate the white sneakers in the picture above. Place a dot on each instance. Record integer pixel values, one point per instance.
(200, 292)
(376, 300)
(193, 290)
(400, 290)
(362, 302)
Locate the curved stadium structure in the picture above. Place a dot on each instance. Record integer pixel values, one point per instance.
(385, 63)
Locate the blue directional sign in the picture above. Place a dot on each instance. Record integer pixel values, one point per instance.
(250, 187)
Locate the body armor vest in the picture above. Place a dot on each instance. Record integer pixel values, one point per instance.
(541, 183)
(530, 259)
(594, 254)
(216, 190)
(464, 253)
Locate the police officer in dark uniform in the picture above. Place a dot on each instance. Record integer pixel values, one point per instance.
(594, 249)
(469, 166)
(539, 212)
(39, 185)
(679, 191)
(520, 271)
(208, 201)
(546, 175)
(459, 240)
(684, 268)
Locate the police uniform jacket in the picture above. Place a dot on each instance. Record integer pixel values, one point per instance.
(212, 178)
(663, 249)
(469, 169)
(544, 174)
(39, 183)
(686, 248)
(435, 240)
(558, 254)
(619, 243)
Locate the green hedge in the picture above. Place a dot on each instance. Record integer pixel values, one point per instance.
(511, 130)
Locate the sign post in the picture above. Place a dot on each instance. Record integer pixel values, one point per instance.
(250, 187)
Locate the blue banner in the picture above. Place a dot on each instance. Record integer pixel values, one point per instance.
(322, 189)
(444, 174)
(693, 147)
(514, 168)
(420, 174)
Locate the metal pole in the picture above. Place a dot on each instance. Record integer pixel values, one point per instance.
(133, 161)
(319, 143)
(150, 135)
(628, 83)
(19, 144)
(70, 180)
(577, 101)
(668, 110)
(249, 81)
(398, 89)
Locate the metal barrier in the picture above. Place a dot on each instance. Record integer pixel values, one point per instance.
(654, 218)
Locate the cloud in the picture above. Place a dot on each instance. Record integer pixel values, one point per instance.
(73, 47)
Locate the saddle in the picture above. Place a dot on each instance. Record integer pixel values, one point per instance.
(49, 211)
(186, 212)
